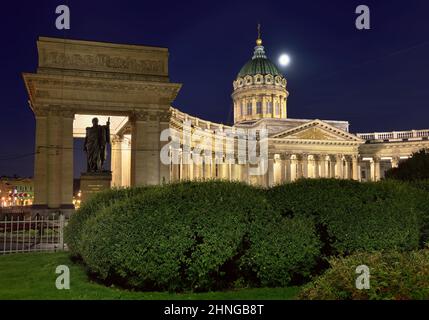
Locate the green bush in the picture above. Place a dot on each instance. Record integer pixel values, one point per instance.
(174, 237)
(214, 235)
(90, 208)
(393, 275)
(421, 201)
(352, 216)
(281, 249)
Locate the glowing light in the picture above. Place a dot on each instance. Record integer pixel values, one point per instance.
(284, 60)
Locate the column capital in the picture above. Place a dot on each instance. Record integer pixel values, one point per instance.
(117, 139)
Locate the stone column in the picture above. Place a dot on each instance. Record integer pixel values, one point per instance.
(317, 166)
(55, 152)
(126, 162)
(53, 167)
(271, 172)
(41, 160)
(116, 158)
(294, 168)
(287, 169)
(323, 169)
(282, 169)
(377, 175)
(332, 165)
(355, 168)
(176, 155)
(346, 173)
(305, 165)
(67, 161)
(372, 170)
(146, 166)
(207, 168)
(339, 166)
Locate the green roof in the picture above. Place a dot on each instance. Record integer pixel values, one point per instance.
(259, 65)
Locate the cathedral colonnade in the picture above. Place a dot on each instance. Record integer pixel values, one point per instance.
(77, 81)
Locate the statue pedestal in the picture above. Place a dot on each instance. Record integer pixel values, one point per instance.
(93, 182)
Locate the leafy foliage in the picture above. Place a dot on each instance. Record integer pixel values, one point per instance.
(89, 209)
(393, 275)
(213, 235)
(352, 216)
(281, 249)
(175, 237)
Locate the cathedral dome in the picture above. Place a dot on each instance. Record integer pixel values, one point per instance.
(258, 66)
(259, 89)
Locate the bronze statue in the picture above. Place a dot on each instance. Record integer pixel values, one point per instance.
(96, 140)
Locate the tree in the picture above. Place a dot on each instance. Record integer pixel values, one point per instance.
(414, 168)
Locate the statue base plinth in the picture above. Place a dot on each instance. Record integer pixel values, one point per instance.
(93, 182)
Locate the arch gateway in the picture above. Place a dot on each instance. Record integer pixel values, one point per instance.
(79, 80)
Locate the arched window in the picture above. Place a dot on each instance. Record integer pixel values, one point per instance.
(241, 109)
(277, 109)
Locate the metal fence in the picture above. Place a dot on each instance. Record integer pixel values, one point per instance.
(33, 234)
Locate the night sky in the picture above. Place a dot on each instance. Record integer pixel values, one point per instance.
(377, 79)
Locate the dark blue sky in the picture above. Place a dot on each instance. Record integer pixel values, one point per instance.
(376, 79)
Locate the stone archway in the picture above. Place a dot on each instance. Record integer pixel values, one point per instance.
(94, 78)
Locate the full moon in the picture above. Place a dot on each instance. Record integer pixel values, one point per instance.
(284, 60)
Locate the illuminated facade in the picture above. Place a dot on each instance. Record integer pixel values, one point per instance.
(16, 192)
(78, 80)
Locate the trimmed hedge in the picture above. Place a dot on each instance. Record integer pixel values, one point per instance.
(351, 215)
(89, 209)
(393, 275)
(175, 237)
(196, 236)
(282, 249)
(214, 235)
(421, 201)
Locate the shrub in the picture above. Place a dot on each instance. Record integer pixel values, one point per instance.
(175, 237)
(420, 191)
(352, 216)
(393, 275)
(281, 250)
(90, 208)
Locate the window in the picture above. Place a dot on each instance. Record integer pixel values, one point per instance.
(277, 109)
(249, 108)
(241, 109)
(269, 107)
(259, 107)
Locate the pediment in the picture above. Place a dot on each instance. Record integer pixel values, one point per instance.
(317, 130)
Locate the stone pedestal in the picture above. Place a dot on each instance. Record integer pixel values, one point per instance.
(93, 182)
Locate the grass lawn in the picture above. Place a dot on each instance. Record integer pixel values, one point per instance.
(32, 276)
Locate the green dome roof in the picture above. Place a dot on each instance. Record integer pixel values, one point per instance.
(259, 65)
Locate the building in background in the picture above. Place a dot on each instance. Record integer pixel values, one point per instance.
(129, 84)
(16, 192)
